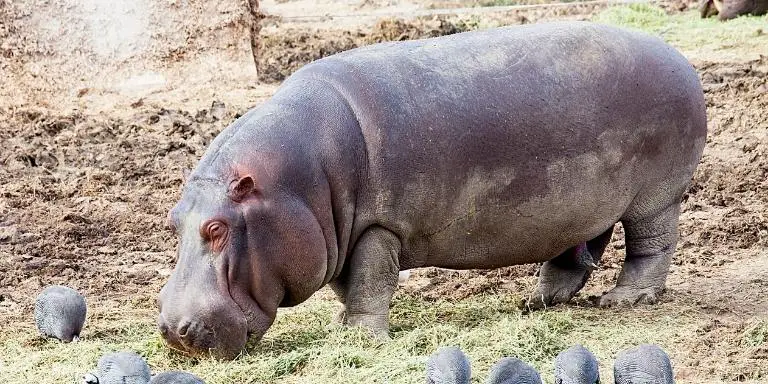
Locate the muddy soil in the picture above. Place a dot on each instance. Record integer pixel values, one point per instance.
(78, 51)
(85, 187)
(285, 50)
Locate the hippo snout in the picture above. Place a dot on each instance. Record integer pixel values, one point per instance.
(187, 334)
(214, 327)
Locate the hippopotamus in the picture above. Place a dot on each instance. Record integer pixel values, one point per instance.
(730, 9)
(481, 149)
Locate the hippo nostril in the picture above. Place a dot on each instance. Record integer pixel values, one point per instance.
(163, 329)
(184, 328)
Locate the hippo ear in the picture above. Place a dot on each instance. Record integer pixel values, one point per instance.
(242, 189)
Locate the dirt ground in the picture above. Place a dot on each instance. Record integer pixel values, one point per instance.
(92, 158)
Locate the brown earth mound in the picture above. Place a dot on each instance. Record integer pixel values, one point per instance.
(286, 50)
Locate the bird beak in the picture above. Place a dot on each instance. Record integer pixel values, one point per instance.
(90, 379)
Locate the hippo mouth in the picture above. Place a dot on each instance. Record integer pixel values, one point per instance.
(254, 316)
(194, 339)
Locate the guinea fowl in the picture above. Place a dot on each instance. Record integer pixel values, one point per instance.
(644, 364)
(576, 365)
(176, 377)
(448, 365)
(60, 313)
(120, 368)
(510, 370)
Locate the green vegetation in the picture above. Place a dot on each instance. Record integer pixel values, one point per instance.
(706, 39)
(642, 16)
(305, 346)
(756, 334)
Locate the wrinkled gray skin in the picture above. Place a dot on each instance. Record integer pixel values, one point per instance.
(176, 377)
(645, 364)
(476, 150)
(60, 312)
(510, 370)
(731, 9)
(576, 365)
(120, 368)
(448, 365)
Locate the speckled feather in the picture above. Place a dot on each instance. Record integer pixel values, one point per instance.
(510, 370)
(449, 365)
(60, 312)
(645, 364)
(176, 377)
(123, 368)
(576, 365)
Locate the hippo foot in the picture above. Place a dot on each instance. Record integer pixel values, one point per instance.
(547, 295)
(378, 325)
(627, 296)
(544, 297)
(557, 285)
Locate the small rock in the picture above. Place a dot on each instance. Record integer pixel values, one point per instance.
(217, 110)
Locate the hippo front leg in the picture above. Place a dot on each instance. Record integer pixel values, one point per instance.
(367, 286)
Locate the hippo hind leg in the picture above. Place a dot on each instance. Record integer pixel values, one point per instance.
(650, 244)
(562, 277)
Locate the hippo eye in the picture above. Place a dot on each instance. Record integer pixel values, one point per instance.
(216, 233)
(214, 230)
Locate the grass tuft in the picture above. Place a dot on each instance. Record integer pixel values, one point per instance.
(640, 16)
(756, 334)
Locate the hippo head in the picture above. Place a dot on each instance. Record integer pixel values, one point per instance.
(247, 246)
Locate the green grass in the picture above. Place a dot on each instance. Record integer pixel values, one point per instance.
(756, 334)
(305, 346)
(705, 39)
